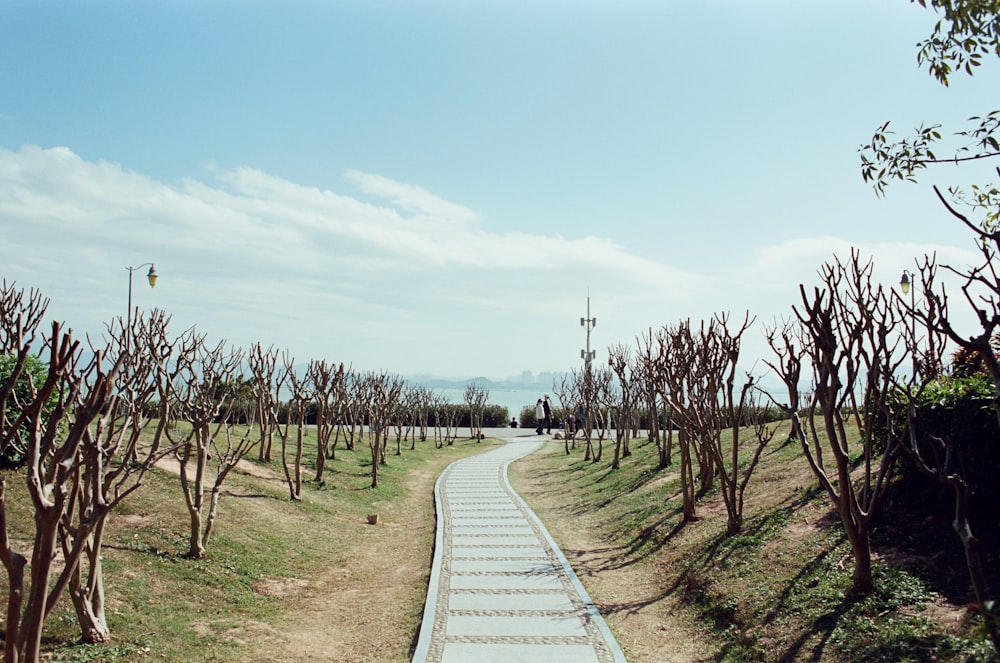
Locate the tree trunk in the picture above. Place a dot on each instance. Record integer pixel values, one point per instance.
(687, 479)
(88, 599)
(298, 462)
(294, 488)
(859, 536)
(14, 562)
(213, 511)
(41, 558)
(195, 549)
(194, 492)
(974, 560)
(320, 459)
(376, 448)
(616, 460)
(863, 583)
(90, 609)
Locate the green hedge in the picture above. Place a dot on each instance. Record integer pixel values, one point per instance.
(960, 412)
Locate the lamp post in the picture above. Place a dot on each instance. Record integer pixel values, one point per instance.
(151, 276)
(906, 287)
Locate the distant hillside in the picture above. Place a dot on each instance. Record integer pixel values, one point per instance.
(527, 381)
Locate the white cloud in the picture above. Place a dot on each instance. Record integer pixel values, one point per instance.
(798, 260)
(248, 256)
(418, 284)
(411, 198)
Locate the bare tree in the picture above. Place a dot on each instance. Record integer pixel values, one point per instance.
(75, 454)
(398, 418)
(20, 317)
(80, 431)
(943, 459)
(734, 474)
(447, 417)
(327, 384)
(567, 391)
(115, 458)
(647, 377)
(263, 364)
(383, 391)
(599, 415)
(206, 403)
(295, 415)
(476, 396)
(437, 405)
(421, 403)
(52, 456)
(588, 396)
(620, 361)
(416, 400)
(356, 408)
(846, 334)
(342, 416)
(675, 378)
(981, 291)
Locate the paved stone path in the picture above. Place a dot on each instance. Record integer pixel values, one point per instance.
(500, 589)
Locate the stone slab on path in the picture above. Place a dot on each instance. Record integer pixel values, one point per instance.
(500, 589)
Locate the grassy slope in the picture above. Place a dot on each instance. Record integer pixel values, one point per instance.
(775, 592)
(282, 581)
(311, 581)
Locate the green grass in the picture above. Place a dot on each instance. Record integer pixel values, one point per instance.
(777, 591)
(164, 606)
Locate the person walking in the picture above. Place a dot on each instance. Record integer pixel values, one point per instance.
(539, 416)
(547, 410)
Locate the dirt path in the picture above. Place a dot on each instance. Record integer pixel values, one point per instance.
(365, 608)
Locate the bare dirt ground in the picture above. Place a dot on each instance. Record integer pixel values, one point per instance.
(367, 609)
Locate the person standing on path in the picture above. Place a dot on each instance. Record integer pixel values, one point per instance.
(539, 416)
(547, 410)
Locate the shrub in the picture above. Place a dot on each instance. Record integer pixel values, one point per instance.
(35, 372)
(959, 411)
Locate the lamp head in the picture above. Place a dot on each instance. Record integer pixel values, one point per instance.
(151, 275)
(904, 282)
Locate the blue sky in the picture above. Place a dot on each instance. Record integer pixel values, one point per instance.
(434, 187)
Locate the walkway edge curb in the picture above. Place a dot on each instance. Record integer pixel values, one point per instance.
(430, 603)
(595, 615)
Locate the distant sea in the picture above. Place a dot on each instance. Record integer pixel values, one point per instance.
(512, 399)
(509, 394)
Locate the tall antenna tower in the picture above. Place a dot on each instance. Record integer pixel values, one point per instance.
(589, 323)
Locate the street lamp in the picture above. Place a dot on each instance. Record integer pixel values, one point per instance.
(151, 276)
(906, 286)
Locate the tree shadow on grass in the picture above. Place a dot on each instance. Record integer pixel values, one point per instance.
(229, 493)
(622, 556)
(601, 500)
